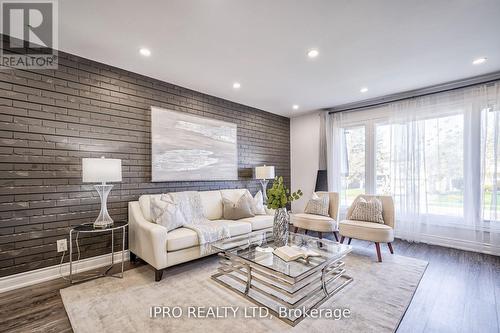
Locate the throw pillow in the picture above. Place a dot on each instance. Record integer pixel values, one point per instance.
(369, 211)
(165, 212)
(237, 210)
(318, 205)
(190, 206)
(257, 203)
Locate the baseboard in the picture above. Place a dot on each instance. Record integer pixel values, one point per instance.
(466, 245)
(25, 279)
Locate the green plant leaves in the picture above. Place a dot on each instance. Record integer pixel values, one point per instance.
(279, 195)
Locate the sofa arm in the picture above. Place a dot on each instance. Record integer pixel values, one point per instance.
(147, 240)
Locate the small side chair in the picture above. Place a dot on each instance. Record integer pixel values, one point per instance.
(370, 231)
(320, 224)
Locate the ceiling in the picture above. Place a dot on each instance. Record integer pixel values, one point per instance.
(388, 46)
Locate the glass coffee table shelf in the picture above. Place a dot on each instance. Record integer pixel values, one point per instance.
(267, 280)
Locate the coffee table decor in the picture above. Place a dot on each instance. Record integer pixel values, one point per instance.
(279, 198)
(282, 287)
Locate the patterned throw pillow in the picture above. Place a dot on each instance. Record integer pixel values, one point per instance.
(165, 212)
(318, 205)
(239, 210)
(257, 203)
(369, 211)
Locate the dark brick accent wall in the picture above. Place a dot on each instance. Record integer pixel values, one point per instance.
(51, 119)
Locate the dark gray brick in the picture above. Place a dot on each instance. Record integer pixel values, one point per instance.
(49, 120)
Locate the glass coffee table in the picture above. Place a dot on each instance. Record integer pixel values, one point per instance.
(282, 287)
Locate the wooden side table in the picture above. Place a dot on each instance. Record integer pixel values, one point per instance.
(89, 228)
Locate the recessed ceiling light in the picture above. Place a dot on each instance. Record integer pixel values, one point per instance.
(145, 52)
(236, 85)
(363, 90)
(295, 107)
(479, 61)
(313, 53)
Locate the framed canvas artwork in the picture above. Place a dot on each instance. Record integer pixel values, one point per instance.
(189, 147)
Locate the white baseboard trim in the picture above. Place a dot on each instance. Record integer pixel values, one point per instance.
(50, 273)
(466, 245)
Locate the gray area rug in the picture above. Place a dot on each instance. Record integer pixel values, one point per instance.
(377, 299)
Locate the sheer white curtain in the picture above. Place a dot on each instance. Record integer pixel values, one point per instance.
(334, 150)
(407, 165)
(490, 157)
(437, 155)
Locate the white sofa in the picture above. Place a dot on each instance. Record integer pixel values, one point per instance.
(161, 249)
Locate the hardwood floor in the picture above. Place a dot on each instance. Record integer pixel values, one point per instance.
(38, 308)
(460, 292)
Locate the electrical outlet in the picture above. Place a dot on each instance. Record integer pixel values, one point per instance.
(62, 245)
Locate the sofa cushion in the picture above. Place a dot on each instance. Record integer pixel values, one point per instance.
(165, 212)
(239, 209)
(318, 204)
(237, 228)
(144, 202)
(212, 204)
(258, 203)
(181, 238)
(259, 222)
(233, 194)
(375, 232)
(314, 222)
(367, 210)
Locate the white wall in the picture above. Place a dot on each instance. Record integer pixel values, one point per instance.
(304, 146)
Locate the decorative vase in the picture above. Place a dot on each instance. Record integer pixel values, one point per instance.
(280, 227)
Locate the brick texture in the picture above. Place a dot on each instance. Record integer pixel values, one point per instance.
(51, 119)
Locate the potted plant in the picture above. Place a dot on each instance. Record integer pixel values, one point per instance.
(278, 198)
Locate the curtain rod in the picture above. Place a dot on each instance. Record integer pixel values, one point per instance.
(436, 89)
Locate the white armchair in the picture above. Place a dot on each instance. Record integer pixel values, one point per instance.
(370, 231)
(320, 224)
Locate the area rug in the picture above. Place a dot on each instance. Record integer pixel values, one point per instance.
(376, 300)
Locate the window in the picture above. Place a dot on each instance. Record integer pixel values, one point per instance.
(442, 162)
(438, 156)
(428, 154)
(491, 169)
(353, 173)
(383, 159)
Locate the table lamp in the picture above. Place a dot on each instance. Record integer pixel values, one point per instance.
(102, 170)
(264, 173)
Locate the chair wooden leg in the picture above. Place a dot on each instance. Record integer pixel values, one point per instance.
(158, 274)
(336, 236)
(320, 235)
(379, 256)
(349, 241)
(390, 248)
(342, 240)
(296, 230)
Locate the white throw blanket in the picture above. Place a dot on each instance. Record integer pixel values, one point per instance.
(189, 204)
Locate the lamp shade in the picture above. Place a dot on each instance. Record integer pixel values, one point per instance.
(264, 172)
(101, 170)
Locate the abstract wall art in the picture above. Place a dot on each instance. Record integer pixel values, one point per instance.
(189, 147)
